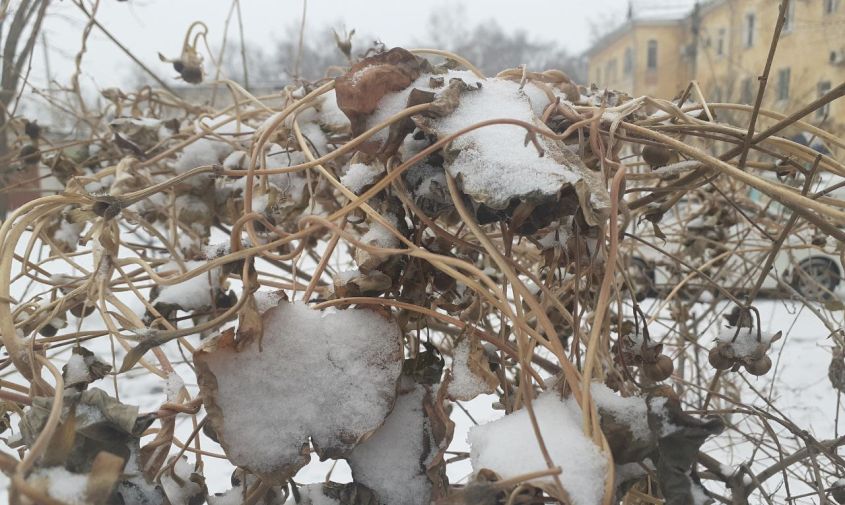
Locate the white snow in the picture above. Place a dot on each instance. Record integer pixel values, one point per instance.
(68, 233)
(77, 370)
(746, 342)
(379, 235)
(315, 135)
(631, 411)
(393, 103)
(235, 160)
(312, 494)
(510, 448)
(180, 494)
(330, 114)
(234, 496)
(390, 461)
(465, 384)
(325, 374)
(493, 161)
(358, 176)
(200, 153)
(657, 408)
(63, 485)
(194, 293)
(558, 236)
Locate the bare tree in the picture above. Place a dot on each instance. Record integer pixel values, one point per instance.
(492, 48)
(19, 24)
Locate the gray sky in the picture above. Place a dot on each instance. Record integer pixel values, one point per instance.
(149, 26)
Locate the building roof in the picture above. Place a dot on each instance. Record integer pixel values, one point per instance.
(667, 15)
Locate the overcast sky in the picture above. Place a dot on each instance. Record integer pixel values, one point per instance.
(147, 27)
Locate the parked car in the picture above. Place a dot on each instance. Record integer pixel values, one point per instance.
(707, 237)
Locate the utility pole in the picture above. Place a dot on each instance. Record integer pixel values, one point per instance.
(695, 31)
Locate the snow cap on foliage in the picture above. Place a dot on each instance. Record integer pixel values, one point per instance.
(509, 447)
(390, 462)
(329, 376)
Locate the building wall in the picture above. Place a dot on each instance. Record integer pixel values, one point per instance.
(811, 50)
(665, 79)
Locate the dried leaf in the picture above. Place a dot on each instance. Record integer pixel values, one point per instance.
(367, 81)
(679, 436)
(330, 377)
(100, 422)
(400, 129)
(250, 326)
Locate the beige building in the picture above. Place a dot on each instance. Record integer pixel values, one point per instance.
(723, 44)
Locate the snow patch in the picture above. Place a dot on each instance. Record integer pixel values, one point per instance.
(328, 375)
(509, 447)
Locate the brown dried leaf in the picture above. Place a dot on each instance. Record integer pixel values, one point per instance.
(679, 436)
(367, 81)
(400, 129)
(250, 326)
(442, 431)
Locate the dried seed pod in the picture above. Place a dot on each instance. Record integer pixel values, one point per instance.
(760, 366)
(659, 370)
(838, 492)
(30, 155)
(189, 69)
(658, 156)
(718, 359)
(32, 130)
(344, 44)
(53, 327)
(81, 310)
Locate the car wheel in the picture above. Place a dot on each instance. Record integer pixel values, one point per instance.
(816, 278)
(641, 276)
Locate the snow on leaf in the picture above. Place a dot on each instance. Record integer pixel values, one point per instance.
(494, 163)
(182, 485)
(359, 176)
(390, 462)
(61, 484)
(509, 447)
(471, 374)
(194, 293)
(330, 376)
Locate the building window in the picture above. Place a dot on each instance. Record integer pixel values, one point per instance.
(748, 36)
(830, 6)
(720, 42)
(789, 18)
(746, 92)
(824, 88)
(628, 62)
(651, 61)
(783, 84)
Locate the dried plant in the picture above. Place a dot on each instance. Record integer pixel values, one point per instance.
(341, 265)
